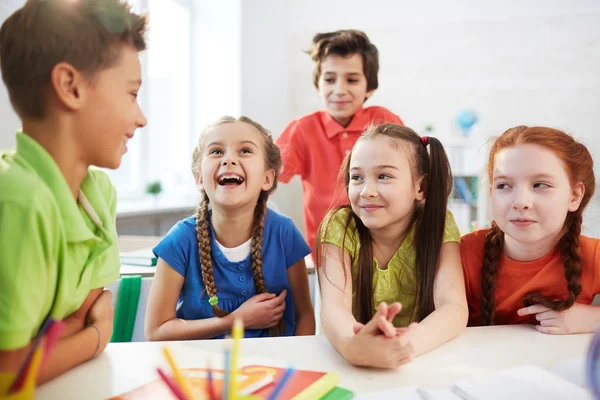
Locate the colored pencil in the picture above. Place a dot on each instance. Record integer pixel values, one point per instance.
(226, 378)
(237, 333)
(182, 380)
(175, 389)
(23, 370)
(281, 384)
(210, 389)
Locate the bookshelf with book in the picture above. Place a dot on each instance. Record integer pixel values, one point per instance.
(469, 198)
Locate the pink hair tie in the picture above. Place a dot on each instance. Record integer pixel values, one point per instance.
(425, 140)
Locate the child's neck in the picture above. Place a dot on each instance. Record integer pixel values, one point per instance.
(387, 240)
(232, 227)
(62, 148)
(344, 122)
(525, 252)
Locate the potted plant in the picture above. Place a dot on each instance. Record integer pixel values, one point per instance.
(154, 189)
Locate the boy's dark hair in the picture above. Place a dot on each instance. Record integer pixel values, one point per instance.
(346, 43)
(85, 33)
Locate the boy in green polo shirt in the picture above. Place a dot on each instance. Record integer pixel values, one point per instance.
(72, 73)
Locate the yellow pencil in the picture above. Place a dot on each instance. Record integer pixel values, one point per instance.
(237, 333)
(182, 380)
(32, 373)
(6, 379)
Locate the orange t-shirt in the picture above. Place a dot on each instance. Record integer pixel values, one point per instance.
(314, 147)
(515, 279)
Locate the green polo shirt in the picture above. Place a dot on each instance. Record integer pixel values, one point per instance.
(52, 253)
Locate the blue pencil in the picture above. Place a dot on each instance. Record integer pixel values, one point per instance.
(281, 384)
(226, 378)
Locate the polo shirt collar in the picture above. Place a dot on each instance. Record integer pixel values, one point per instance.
(333, 128)
(34, 156)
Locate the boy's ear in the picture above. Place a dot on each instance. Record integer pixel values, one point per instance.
(68, 85)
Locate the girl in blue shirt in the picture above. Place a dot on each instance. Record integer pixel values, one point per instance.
(235, 257)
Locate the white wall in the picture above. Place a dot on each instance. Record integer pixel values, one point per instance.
(216, 52)
(517, 62)
(9, 123)
(8, 120)
(266, 82)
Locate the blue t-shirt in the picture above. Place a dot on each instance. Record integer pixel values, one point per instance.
(283, 246)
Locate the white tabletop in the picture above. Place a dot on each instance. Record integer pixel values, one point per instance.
(125, 366)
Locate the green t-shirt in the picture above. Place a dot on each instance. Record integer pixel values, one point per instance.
(399, 281)
(52, 253)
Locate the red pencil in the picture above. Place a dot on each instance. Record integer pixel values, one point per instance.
(210, 388)
(52, 337)
(170, 382)
(48, 335)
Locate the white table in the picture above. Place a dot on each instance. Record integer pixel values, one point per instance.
(123, 367)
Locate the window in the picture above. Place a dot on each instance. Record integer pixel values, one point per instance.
(191, 75)
(162, 150)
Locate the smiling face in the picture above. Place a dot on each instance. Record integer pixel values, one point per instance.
(110, 114)
(531, 193)
(233, 171)
(382, 190)
(343, 86)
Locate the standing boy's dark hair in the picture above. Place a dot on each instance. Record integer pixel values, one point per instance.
(346, 43)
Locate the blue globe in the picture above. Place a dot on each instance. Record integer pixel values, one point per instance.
(466, 119)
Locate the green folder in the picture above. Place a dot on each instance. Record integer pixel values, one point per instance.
(126, 310)
(338, 393)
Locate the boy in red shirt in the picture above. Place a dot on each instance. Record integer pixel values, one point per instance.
(346, 65)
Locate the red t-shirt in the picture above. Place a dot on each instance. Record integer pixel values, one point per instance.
(314, 147)
(515, 279)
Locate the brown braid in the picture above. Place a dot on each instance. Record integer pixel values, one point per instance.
(493, 247)
(257, 238)
(256, 251)
(569, 250)
(203, 236)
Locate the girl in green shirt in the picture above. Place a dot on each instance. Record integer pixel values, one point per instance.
(389, 263)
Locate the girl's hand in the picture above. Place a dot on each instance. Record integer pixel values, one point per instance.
(262, 310)
(385, 325)
(577, 319)
(379, 344)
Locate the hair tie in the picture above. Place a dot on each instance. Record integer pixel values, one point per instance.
(425, 140)
(213, 301)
